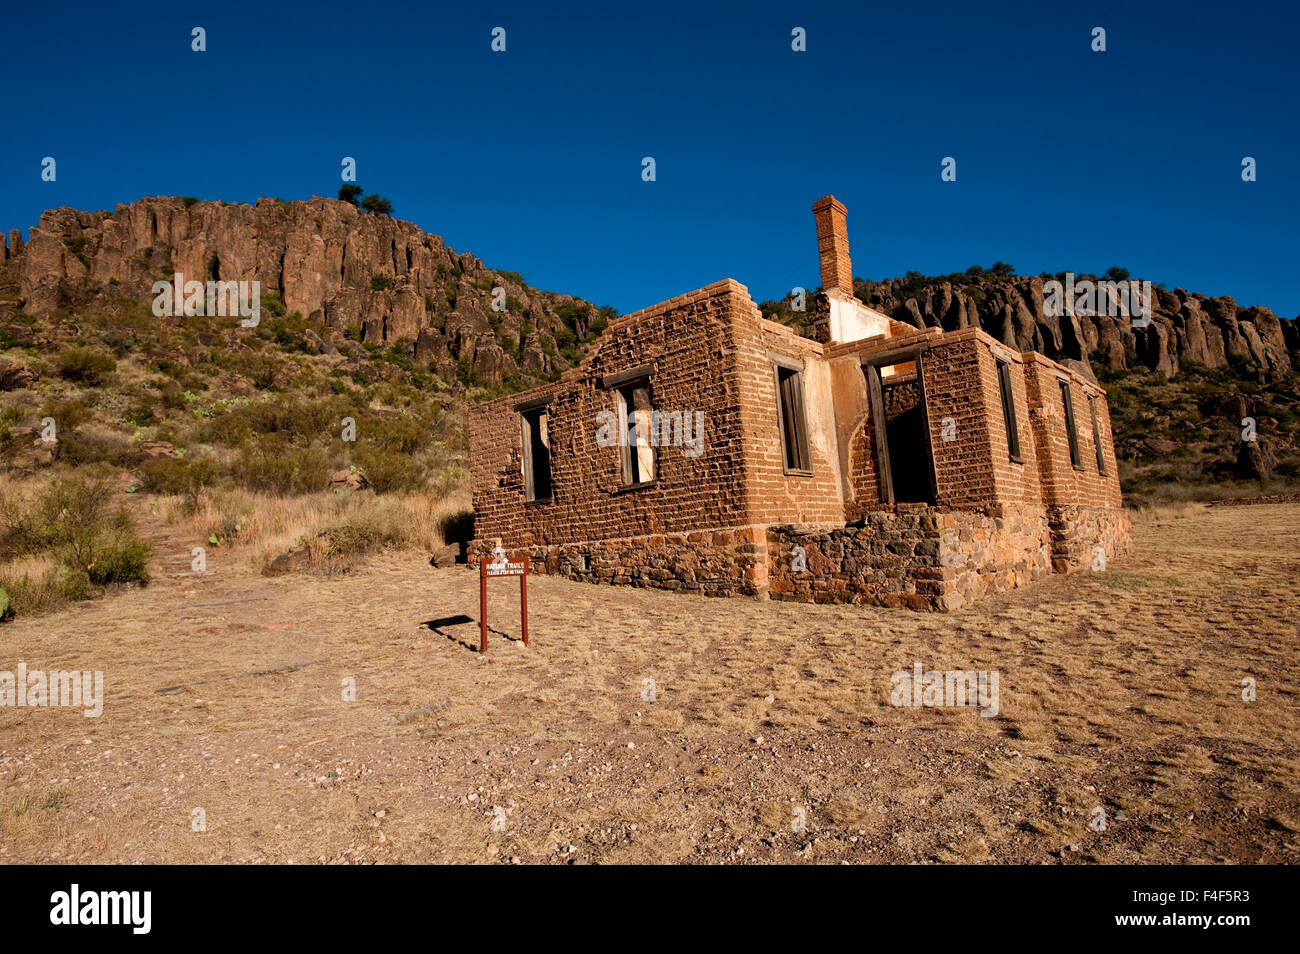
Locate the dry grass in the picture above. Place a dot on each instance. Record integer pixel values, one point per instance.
(266, 525)
(1119, 690)
(1158, 513)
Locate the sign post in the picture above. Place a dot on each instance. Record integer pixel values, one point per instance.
(500, 565)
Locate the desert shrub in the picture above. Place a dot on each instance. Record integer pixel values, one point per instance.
(67, 513)
(272, 304)
(281, 468)
(84, 366)
(357, 539)
(404, 434)
(33, 591)
(69, 544)
(141, 415)
(229, 428)
(339, 546)
(69, 414)
(120, 557)
(178, 475)
(97, 447)
(172, 395)
(299, 419)
(389, 470)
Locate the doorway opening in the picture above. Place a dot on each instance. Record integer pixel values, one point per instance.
(904, 454)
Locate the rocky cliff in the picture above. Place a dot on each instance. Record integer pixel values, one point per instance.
(389, 282)
(1185, 328)
(381, 279)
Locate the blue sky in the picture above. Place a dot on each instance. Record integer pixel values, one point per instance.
(531, 159)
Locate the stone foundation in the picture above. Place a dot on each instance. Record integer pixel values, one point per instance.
(914, 557)
(724, 562)
(911, 556)
(1076, 531)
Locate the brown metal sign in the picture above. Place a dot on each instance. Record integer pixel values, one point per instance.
(501, 566)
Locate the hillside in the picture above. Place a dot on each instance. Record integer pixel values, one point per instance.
(373, 278)
(334, 427)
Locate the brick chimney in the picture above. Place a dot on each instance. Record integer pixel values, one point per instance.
(833, 246)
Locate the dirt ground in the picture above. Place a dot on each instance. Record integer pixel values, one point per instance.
(766, 734)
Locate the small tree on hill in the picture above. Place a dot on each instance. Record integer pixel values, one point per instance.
(349, 192)
(377, 204)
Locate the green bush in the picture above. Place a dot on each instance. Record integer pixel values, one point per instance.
(177, 475)
(84, 366)
(120, 557)
(92, 545)
(93, 447)
(69, 414)
(272, 304)
(404, 434)
(377, 204)
(141, 415)
(389, 471)
(281, 468)
(228, 428)
(173, 396)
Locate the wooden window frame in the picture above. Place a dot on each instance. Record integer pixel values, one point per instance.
(1071, 431)
(625, 386)
(534, 412)
(1009, 420)
(1096, 435)
(796, 454)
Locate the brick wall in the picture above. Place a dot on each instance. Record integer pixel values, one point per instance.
(775, 496)
(1063, 483)
(691, 342)
(955, 388)
(1014, 483)
(711, 351)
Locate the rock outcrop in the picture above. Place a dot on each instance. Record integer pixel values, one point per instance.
(382, 279)
(387, 281)
(14, 375)
(1185, 327)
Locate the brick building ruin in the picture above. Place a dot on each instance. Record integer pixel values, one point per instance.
(701, 447)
